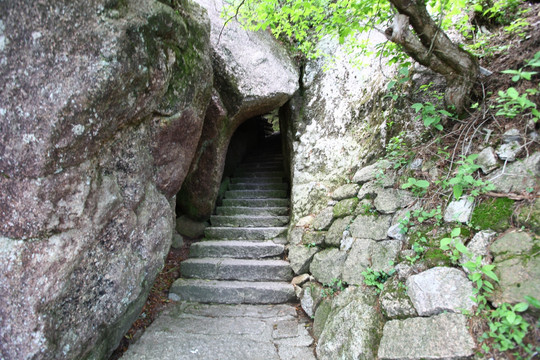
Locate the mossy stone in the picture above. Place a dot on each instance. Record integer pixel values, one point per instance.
(345, 207)
(436, 257)
(529, 216)
(493, 214)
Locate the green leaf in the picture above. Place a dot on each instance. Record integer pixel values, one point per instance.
(424, 184)
(417, 106)
(462, 248)
(521, 307)
(455, 232)
(444, 243)
(458, 191)
(511, 317)
(513, 93)
(533, 301)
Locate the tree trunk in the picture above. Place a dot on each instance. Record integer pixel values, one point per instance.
(431, 47)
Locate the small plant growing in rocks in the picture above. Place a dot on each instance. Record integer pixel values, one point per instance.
(377, 278)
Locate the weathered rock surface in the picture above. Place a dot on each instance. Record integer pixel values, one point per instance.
(96, 137)
(345, 191)
(358, 259)
(440, 289)
(335, 233)
(394, 300)
(460, 211)
(443, 337)
(487, 160)
(190, 228)
(345, 207)
(324, 219)
(225, 332)
(479, 247)
(300, 257)
(245, 67)
(518, 176)
(352, 327)
(371, 227)
(327, 265)
(339, 107)
(517, 266)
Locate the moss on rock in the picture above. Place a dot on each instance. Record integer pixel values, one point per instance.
(493, 214)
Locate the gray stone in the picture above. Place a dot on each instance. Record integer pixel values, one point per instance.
(443, 337)
(395, 232)
(224, 332)
(346, 243)
(295, 236)
(487, 160)
(310, 298)
(345, 207)
(262, 233)
(371, 172)
(300, 279)
(256, 202)
(370, 227)
(394, 300)
(345, 191)
(357, 261)
(324, 219)
(459, 211)
(327, 265)
(300, 257)
(512, 243)
(509, 151)
(321, 315)
(352, 327)
(336, 232)
(368, 191)
(305, 221)
(440, 289)
(388, 201)
(479, 246)
(248, 221)
(314, 238)
(383, 254)
(177, 241)
(512, 135)
(231, 292)
(236, 269)
(101, 112)
(518, 176)
(416, 164)
(236, 249)
(190, 228)
(518, 267)
(403, 270)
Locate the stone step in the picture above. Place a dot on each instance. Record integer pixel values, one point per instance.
(257, 180)
(243, 233)
(236, 269)
(278, 166)
(248, 221)
(235, 249)
(255, 171)
(253, 211)
(255, 186)
(262, 174)
(255, 194)
(231, 292)
(257, 203)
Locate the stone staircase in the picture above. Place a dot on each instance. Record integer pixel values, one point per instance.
(240, 259)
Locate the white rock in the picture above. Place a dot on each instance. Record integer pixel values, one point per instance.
(459, 211)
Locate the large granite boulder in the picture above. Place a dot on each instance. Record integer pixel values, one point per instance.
(352, 327)
(254, 74)
(102, 105)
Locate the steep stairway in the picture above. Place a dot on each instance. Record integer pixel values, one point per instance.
(241, 258)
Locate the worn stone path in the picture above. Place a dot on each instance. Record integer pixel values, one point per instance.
(222, 332)
(239, 262)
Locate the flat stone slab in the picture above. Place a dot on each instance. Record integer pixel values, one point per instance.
(198, 331)
(257, 180)
(255, 186)
(256, 194)
(443, 337)
(236, 269)
(244, 233)
(231, 292)
(236, 249)
(256, 202)
(248, 221)
(252, 211)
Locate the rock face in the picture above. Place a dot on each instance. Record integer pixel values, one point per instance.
(443, 336)
(340, 107)
(352, 328)
(102, 108)
(246, 68)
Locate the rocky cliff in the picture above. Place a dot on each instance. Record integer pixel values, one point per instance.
(101, 110)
